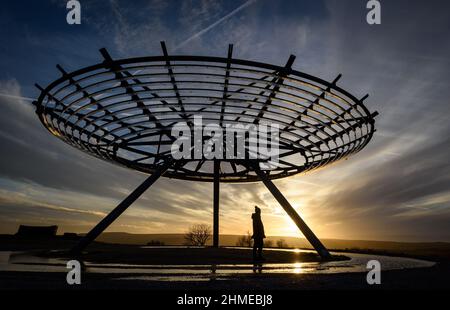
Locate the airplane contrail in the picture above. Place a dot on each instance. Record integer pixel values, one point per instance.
(17, 97)
(222, 19)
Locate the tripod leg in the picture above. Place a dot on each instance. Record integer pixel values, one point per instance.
(307, 232)
(114, 214)
(216, 204)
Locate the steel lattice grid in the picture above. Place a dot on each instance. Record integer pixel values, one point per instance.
(123, 111)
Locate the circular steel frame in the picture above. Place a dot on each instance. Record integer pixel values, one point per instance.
(123, 111)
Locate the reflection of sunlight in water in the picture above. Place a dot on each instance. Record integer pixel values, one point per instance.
(17, 261)
(297, 268)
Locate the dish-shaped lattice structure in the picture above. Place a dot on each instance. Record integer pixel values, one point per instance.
(124, 110)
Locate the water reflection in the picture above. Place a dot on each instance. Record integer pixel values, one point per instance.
(297, 268)
(257, 268)
(18, 261)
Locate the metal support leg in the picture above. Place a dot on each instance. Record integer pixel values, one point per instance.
(114, 214)
(307, 232)
(216, 204)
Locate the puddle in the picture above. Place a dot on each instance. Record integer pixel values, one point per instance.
(20, 261)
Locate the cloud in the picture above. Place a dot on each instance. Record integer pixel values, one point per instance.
(31, 154)
(24, 202)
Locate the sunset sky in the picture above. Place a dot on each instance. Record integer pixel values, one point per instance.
(397, 188)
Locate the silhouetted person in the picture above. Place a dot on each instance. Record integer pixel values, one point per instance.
(258, 234)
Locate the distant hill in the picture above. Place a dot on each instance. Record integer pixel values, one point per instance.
(436, 251)
(422, 249)
(178, 239)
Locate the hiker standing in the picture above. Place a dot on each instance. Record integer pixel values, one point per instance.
(258, 234)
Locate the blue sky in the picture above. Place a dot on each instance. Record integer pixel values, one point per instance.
(395, 189)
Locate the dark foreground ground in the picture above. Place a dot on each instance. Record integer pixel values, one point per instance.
(434, 278)
(421, 278)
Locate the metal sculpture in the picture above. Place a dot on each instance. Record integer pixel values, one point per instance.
(124, 110)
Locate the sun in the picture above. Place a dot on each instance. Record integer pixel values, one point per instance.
(289, 228)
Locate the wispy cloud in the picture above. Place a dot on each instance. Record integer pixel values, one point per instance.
(17, 97)
(6, 198)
